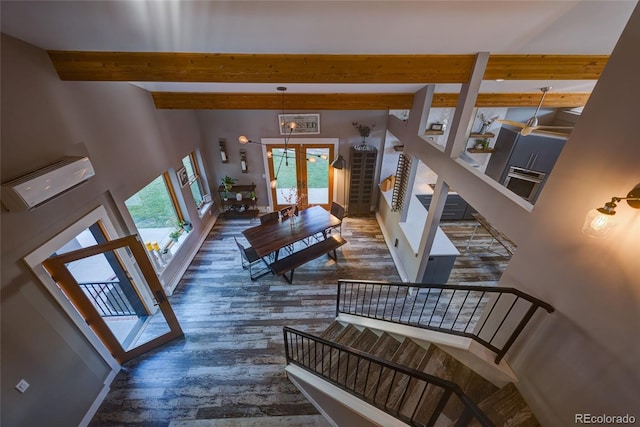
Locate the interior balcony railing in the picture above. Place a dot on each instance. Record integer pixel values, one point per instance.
(492, 316)
(412, 396)
(108, 298)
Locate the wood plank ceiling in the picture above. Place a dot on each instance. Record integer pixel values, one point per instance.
(296, 68)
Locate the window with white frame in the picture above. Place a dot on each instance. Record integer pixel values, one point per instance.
(194, 179)
(157, 217)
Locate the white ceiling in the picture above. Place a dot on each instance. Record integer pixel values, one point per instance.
(335, 27)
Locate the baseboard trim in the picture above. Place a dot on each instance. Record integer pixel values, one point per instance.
(99, 399)
(372, 414)
(173, 283)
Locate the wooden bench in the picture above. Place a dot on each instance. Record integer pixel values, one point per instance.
(296, 259)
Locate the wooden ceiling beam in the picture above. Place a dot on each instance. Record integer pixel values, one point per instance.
(260, 68)
(551, 100)
(262, 101)
(545, 67)
(352, 101)
(299, 68)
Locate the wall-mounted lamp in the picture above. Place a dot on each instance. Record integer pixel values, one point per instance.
(339, 162)
(223, 150)
(243, 161)
(600, 221)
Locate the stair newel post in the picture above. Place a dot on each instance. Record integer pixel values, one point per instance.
(516, 332)
(286, 345)
(338, 298)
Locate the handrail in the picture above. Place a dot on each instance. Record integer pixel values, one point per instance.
(108, 298)
(491, 316)
(353, 370)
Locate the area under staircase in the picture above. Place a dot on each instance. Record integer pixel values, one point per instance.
(408, 379)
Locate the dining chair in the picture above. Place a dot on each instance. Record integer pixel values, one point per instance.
(268, 218)
(338, 211)
(249, 257)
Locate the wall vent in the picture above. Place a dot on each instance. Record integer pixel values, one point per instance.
(34, 188)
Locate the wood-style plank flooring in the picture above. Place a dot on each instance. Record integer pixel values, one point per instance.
(228, 368)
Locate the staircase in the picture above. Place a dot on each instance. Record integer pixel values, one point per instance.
(431, 388)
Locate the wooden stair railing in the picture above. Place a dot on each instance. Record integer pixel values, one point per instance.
(404, 392)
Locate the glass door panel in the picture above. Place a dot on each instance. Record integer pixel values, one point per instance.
(317, 176)
(303, 175)
(284, 164)
(114, 287)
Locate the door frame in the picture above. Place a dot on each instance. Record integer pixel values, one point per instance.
(55, 265)
(296, 141)
(35, 259)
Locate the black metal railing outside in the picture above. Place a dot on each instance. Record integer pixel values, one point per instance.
(492, 316)
(108, 298)
(412, 396)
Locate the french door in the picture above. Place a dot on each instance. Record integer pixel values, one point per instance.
(303, 174)
(114, 287)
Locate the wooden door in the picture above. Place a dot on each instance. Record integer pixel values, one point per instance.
(135, 295)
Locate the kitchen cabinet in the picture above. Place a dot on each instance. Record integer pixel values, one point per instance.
(533, 152)
(363, 169)
(455, 207)
(438, 269)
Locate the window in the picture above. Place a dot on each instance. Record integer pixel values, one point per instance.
(155, 215)
(195, 181)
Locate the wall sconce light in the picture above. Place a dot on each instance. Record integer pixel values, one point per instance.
(223, 150)
(243, 161)
(600, 221)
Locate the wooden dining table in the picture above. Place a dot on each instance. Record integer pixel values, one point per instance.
(269, 238)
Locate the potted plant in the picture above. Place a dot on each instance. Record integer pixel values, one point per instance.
(225, 196)
(227, 182)
(252, 195)
(185, 225)
(175, 235)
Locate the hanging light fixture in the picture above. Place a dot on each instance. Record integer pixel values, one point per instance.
(600, 221)
(289, 129)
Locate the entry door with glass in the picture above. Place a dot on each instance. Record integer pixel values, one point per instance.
(114, 287)
(301, 173)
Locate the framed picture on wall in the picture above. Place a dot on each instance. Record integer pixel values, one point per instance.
(183, 178)
(304, 123)
(436, 126)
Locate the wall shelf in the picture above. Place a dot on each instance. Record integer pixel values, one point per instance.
(434, 132)
(480, 150)
(232, 207)
(482, 135)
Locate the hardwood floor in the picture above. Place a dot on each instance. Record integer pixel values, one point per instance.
(228, 368)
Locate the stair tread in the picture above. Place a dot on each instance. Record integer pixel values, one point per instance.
(409, 397)
(507, 407)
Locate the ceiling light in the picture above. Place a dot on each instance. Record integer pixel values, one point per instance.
(599, 222)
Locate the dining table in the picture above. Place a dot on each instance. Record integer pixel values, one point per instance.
(269, 238)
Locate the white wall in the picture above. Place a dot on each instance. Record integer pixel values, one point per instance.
(129, 143)
(257, 124)
(584, 357)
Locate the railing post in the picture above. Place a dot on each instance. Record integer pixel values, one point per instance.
(525, 319)
(286, 345)
(338, 298)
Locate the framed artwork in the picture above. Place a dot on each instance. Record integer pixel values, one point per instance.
(436, 126)
(183, 177)
(305, 123)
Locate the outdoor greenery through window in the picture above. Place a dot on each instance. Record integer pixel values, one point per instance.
(154, 212)
(194, 180)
